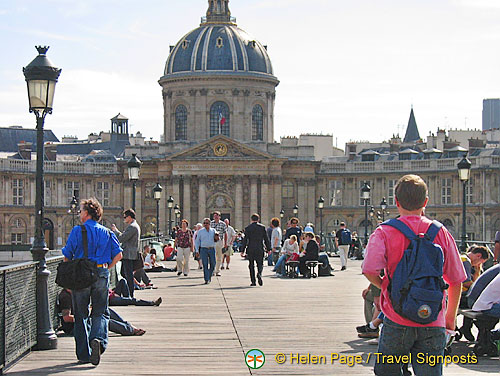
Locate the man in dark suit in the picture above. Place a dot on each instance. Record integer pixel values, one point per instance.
(253, 246)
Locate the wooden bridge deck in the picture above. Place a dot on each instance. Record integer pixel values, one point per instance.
(206, 329)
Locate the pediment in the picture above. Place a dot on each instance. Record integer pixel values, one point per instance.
(221, 148)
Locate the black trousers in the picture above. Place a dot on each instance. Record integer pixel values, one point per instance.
(127, 272)
(255, 257)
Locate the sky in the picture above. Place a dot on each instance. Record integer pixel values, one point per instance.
(352, 69)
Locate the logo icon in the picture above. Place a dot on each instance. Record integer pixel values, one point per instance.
(255, 359)
(424, 311)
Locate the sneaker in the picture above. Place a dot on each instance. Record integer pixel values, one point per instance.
(158, 301)
(185, 275)
(218, 274)
(222, 267)
(227, 267)
(343, 268)
(206, 282)
(364, 331)
(95, 355)
(179, 273)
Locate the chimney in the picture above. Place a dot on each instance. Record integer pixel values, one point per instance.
(50, 151)
(25, 150)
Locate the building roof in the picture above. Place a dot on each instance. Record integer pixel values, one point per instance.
(218, 46)
(12, 136)
(412, 129)
(119, 117)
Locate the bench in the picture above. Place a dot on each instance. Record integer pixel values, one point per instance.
(291, 269)
(311, 268)
(484, 323)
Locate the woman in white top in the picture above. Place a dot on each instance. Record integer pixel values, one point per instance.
(289, 247)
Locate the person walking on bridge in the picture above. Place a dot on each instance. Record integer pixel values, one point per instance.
(253, 246)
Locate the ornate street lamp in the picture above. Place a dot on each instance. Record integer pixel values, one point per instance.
(383, 205)
(170, 205)
(73, 205)
(464, 167)
(41, 78)
(177, 211)
(157, 196)
(365, 195)
(134, 167)
(178, 217)
(321, 204)
(295, 209)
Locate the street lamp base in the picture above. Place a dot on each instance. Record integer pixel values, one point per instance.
(46, 341)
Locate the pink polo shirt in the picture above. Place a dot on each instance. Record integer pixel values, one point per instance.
(385, 249)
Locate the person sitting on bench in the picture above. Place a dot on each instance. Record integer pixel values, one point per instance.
(290, 246)
(310, 253)
(489, 301)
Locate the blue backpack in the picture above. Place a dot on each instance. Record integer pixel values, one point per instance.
(345, 237)
(417, 285)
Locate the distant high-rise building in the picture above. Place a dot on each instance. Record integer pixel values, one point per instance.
(491, 113)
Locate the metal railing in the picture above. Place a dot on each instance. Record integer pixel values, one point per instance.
(18, 331)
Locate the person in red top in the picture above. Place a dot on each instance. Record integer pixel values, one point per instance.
(401, 336)
(168, 252)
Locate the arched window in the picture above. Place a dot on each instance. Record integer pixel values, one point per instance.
(219, 119)
(181, 123)
(257, 123)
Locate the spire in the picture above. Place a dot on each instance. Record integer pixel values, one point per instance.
(412, 129)
(218, 11)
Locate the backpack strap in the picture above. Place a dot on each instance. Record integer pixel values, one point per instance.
(433, 230)
(85, 241)
(401, 227)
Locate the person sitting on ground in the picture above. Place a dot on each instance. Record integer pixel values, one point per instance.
(371, 297)
(290, 246)
(119, 296)
(310, 253)
(169, 253)
(150, 264)
(116, 323)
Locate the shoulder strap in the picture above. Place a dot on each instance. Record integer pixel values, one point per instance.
(85, 241)
(401, 227)
(433, 230)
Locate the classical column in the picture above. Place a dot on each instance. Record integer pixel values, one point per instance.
(302, 202)
(186, 210)
(202, 198)
(176, 190)
(264, 201)
(238, 206)
(311, 204)
(277, 196)
(138, 202)
(253, 195)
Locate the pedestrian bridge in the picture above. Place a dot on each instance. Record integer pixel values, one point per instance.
(207, 329)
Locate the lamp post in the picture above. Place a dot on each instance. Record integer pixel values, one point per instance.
(73, 205)
(170, 205)
(177, 211)
(383, 205)
(321, 204)
(282, 214)
(365, 195)
(464, 167)
(157, 196)
(134, 166)
(178, 217)
(41, 78)
(295, 210)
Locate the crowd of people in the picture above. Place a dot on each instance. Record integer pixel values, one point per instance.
(459, 282)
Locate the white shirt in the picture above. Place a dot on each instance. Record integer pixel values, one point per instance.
(489, 296)
(230, 235)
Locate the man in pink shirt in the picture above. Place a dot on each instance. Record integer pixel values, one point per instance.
(401, 336)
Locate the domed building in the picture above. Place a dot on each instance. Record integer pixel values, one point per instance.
(218, 80)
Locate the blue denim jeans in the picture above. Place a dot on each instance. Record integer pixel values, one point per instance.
(207, 254)
(118, 325)
(93, 326)
(494, 311)
(419, 342)
(280, 265)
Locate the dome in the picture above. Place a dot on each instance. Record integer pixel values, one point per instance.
(218, 46)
